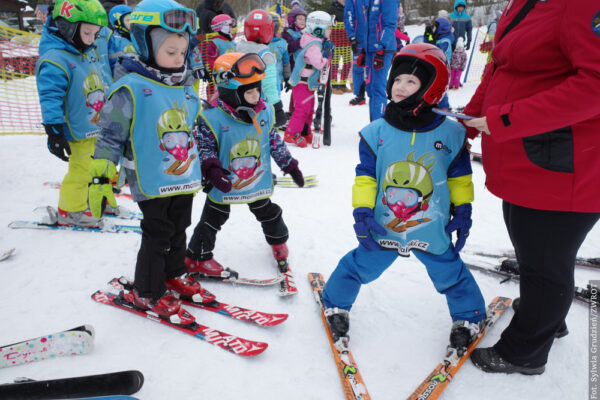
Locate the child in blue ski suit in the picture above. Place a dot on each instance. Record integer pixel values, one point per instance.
(146, 125)
(120, 39)
(412, 190)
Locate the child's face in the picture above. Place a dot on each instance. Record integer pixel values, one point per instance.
(460, 9)
(88, 32)
(301, 21)
(252, 96)
(405, 85)
(328, 33)
(126, 20)
(171, 53)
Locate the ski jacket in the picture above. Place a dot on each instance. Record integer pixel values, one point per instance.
(292, 37)
(443, 37)
(461, 22)
(279, 47)
(459, 59)
(540, 98)
(71, 85)
(221, 132)
(432, 164)
(372, 23)
(209, 9)
(218, 46)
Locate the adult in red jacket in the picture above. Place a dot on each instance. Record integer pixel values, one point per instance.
(539, 110)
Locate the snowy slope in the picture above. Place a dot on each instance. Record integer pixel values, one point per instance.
(399, 327)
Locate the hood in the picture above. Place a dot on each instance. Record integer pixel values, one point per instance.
(460, 3)
(215, 5)
(307, 38)
(51, 41)
(444, 26)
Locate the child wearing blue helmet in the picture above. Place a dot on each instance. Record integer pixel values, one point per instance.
(120, 40)
(147, 123)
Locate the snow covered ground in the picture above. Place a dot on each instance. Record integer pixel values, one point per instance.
(399, 324)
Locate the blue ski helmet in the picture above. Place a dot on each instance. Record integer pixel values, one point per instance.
(116, 15)
(167, 14)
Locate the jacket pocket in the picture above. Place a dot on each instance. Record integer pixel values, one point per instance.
(551, 150)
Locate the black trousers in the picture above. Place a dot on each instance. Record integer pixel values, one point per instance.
(214, 216)
(546, 245)
(163, 247)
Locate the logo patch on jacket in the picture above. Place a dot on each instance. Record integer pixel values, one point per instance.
(441, 146)
(596, 23)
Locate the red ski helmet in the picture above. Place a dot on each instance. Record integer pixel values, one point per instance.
(434, 60)
(259, 27)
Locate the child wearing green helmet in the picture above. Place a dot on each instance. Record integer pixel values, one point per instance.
(71, 82)
(412, 190)
(146, 125)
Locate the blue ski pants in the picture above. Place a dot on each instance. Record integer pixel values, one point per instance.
(376, 84)
(358, 76)
(449, 275)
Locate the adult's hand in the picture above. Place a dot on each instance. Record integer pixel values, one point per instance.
(480, 124)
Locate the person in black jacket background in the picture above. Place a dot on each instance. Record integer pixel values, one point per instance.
(209, 9)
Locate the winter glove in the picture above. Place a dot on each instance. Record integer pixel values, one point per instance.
(327, 48)
(378, 60)
(213, 170)
(354, 44)
(461, 223)
(57, 143)
(287, 86)
(365, 223)
(360, 60)
(203, 74)
(295, 172)
(100, 191)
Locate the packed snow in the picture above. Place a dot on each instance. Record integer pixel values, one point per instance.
(399, 323)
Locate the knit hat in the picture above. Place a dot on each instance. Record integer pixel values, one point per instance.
(158, 35)
(460, 43)
(296, 3)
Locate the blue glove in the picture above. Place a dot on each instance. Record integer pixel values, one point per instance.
(365, 223)
(327, 48)
(461, 223)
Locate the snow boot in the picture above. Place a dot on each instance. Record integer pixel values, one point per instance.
(339, 322)
(562, 331)
(488, 360)
(462, 335)
(167, 307)
(190, 289)
(358, 101)
(281, 252)
(208, 268)
(79, 218)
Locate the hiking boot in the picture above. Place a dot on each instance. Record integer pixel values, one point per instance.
(488, 360)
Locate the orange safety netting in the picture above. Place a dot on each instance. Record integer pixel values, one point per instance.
(19, 104)
(341, 64)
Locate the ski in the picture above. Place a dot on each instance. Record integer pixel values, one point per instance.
(240, 313)
(117, 397)
(288, 179)
(351, 379)
(115, 383)
(307, 185)
(287, 286)
(327, 114)
(318, 119)
(509, 271)
(591, 262)
(122, 213)
(233, 277)
(107, 228)
(5, 254)
(117, 192)
(441, 376)
(231, 343)
(71, 342)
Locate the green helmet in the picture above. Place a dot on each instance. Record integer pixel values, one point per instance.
(92, 83)
(90, 11)
(411, 174)
(245, 148)
(173, 120)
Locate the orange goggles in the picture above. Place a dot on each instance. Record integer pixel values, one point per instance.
(248, 65)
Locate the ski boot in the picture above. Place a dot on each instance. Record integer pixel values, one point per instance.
(79, 218)
(308, 138)
(167, 307)
(462, 335)
(119, 211)
(339, 324)
(562, 331)
(208, 268)
(296, 139)
(357, 101)
(281, 252)
(189, 288)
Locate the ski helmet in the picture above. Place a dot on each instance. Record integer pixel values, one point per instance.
(222, 23)
(235, 73)
(317, 22)
(69, 14)
(291, 16)
(116, 17)
(276, 23)
(166, 14)
(433, 59)
(258, 27)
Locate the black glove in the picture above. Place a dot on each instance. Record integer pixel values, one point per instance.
(354, 44)
(295, 173)
(378, 60)
(203, 74)
(57, 143)
(287, 86)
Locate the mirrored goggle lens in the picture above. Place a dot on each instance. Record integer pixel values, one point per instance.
(408, 197)
(243, 162)
(248, 65)
(178, 19)
(173, 139)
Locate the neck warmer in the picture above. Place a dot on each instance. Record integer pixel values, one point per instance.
(168, 76)
(409, 117)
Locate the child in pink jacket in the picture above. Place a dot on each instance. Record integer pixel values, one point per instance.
(457, 64)
(313, 56)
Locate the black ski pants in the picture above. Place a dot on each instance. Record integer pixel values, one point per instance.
(546, 245)
(162, 251)
(214, 216)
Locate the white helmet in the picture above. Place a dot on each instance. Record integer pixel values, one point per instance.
(317, 22)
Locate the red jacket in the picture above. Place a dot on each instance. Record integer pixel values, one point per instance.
(541, 97)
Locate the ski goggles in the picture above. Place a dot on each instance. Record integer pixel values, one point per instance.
(173, 139)
(243, 162)
(406, 196)
(172, 20)
(248, 65)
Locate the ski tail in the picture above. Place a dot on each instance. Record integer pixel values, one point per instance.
(318, 119)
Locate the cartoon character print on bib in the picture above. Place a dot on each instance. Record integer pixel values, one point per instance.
(175, 139)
